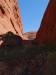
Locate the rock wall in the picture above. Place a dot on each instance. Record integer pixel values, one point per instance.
(10, 19)
(47, 30)
(30, 35)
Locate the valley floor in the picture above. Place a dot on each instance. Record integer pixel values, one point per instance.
(28, 60)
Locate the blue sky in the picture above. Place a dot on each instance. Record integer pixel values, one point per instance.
(32, 12)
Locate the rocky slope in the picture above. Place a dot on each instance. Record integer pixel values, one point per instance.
(47, 30)
(10, 19)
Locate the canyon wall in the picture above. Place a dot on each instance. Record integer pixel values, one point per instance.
(30, 35)
(47, 30)
(10, 19)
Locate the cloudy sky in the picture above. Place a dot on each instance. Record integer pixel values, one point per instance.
(32, 12)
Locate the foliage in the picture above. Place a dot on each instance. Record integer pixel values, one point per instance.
(27, 50)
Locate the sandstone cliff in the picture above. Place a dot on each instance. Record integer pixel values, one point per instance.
(30, 35)
(47, 30)
(10, 19)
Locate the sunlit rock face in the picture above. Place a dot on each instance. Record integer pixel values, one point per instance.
(10, 19)
(47, 31)
(30, 35)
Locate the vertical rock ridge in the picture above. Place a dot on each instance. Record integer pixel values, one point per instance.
(47, 31)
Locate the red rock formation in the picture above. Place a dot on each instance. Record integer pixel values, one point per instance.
(10, 19)
(47, 31)
(30, 35)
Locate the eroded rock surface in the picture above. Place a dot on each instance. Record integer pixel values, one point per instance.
(10, 19)
(47, 31)
(30, 35)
